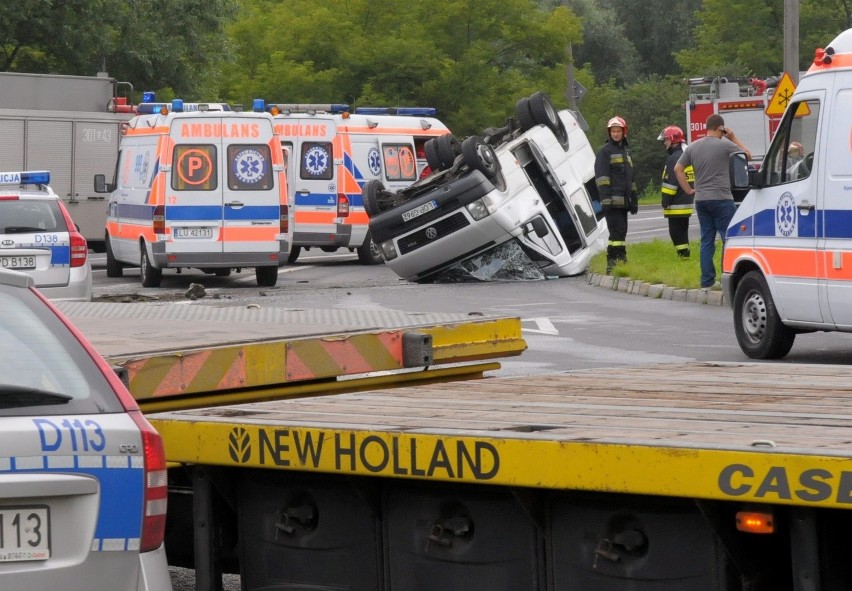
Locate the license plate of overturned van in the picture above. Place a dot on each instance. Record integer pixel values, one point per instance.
(419, 210)
(183, 233)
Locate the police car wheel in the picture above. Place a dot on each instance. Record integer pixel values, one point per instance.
(369, 252)
(544, 113)
(524, 115)
(266, 276)
(295, 251)
(480, 156)
(151, 277)
(448, 148)
(757, 324)
(113, 267)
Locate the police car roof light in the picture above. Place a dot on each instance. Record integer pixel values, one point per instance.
(27, 177)
(411, 111)
(258, 105)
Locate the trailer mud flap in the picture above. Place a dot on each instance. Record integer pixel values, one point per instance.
(460, 538)
(300, 532)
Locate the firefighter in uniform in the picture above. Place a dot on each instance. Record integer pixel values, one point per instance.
(616, 189)
(677, 205)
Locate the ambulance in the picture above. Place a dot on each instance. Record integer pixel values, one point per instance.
(332, 153)
(197, 186)
(787, 265)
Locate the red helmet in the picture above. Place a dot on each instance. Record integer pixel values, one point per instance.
(673, 133)
(617, 122)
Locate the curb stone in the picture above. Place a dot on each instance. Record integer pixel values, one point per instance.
(657, 290)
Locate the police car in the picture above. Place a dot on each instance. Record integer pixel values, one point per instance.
(523, 193)
(38, 237)
(82, 472)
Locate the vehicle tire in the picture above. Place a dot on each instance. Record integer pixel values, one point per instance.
(544, 113)
(295, 251)
(222, 272)
(266, 276)
(113, 267)
(369, 253)
(760, 332)
(480, 156)
(524, 114)
(151, 276)
(448, 148)
(432, 157)
(370, 196)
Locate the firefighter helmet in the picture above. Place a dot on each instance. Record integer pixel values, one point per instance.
(617, 122)
(673, 133)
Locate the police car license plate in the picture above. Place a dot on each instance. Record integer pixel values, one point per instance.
(182, 233)
(420, 210)
(27, 262)
(24, 534)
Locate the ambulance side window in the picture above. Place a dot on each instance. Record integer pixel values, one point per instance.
(249, 167)
(316, 161)
(791, 156)
(400, 162)
(839, 157)
(195, 168)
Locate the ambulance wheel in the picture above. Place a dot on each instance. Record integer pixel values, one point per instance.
(371, 195)
(369, 252)
(758, 327)
(295, 251)
(266, 276)
(432, 158)
(113, 267)
(544, 113)
(448, 148)
(524, 114)
(480, 156)
(151, 277)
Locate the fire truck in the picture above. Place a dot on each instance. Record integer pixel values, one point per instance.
(741, 102)
(69, 125)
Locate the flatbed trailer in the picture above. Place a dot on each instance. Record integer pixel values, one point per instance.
(691, 476)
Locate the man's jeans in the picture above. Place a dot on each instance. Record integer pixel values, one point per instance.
(713, 218)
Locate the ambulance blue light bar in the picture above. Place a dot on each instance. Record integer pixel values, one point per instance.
(309, 108)
(412, 111)
(26, 177)
(178, 106)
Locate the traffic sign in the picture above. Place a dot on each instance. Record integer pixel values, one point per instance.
(781, 97)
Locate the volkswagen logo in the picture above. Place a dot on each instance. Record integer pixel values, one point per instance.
(431, 233)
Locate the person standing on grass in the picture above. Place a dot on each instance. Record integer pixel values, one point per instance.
(714, 202)
(677, 204)
(616, 188)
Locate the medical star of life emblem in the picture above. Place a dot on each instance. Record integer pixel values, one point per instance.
(239, 445)
(786, 215)
(249, 166)
(316, 160)
(374, 162)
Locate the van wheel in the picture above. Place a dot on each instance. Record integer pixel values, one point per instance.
(113, 267)
(432, 157)
(151, 277)
(758, 327)
(371, 195)
(543, 112)
(480, 156)
(524, 115)
(369, 253)
(295, 251)
(448, 148)
(266, 276)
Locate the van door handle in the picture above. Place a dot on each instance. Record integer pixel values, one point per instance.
(235, 204)
(805, 206)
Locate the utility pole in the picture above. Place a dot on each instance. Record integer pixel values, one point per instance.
(791, 39)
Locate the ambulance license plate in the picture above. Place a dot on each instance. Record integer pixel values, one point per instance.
(24, 534)
(420, 210)
(28, 262)
(201, 233)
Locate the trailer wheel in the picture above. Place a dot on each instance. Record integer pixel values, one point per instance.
(369, 253)
(113, 267)
(266, 276)
(543, 112)
(150, 275)
(480, 156)
(448, 148)
(370, 195)
(760, 332)
(524, 114)
(295, 251)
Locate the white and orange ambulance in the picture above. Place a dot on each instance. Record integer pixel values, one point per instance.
(332, 153)
(787, 266)
(198, 186)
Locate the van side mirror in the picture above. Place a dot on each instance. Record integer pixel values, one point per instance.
(101, 186)
(738, 170)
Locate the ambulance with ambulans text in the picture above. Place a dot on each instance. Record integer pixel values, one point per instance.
(197, 186)
(331, 153)
(787, 266)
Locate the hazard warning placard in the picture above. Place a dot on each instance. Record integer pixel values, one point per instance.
(781, 97)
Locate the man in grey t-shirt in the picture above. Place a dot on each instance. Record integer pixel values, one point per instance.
(714, 202)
